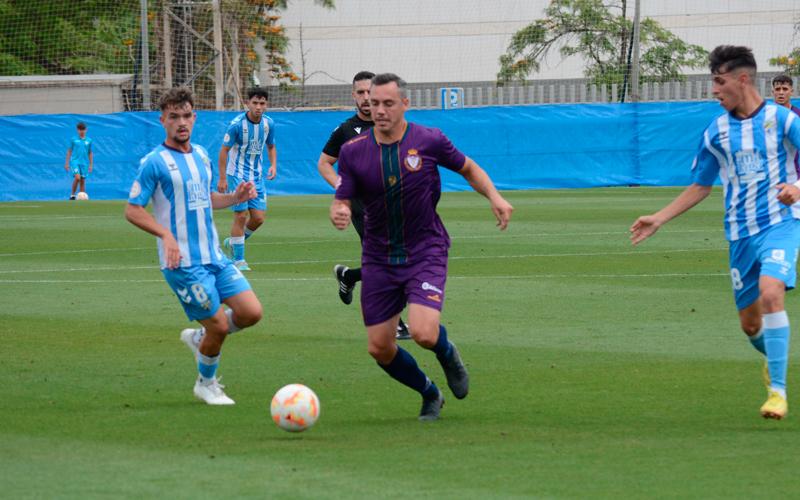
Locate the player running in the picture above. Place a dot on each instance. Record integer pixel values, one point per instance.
(751, 148)
(353, 126)
(240, 160)
(393, 170)
(177, 176)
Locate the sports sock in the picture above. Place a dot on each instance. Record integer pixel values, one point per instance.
(405, 370)
(207, 366)
(758, 342)
(197, 336)
(776, 341)
(443, 348)
(248, 232)
(237, 244)
(232, 328)
(352, 276)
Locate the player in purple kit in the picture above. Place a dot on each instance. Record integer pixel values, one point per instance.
(393, 171)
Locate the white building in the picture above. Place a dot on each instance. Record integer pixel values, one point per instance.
(461, 40)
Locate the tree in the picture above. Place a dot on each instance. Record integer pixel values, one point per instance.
(790, 61)
(260, 20)
(600, 33)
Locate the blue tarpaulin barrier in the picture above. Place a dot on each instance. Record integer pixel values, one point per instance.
(521, 147)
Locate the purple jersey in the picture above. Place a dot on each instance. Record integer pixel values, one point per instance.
(400, 187)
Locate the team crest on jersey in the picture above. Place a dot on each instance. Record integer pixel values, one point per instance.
(413, 161)
(769, 124)
(392, 180)
(136, 190)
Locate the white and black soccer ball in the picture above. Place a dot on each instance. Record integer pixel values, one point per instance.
(82, 196)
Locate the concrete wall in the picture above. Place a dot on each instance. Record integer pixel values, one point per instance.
(81, 94)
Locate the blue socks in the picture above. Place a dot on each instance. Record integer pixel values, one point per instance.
(207, 366)
(237, 244)
(404, 369)
(776, 342)
(757, 341)
(443, 348)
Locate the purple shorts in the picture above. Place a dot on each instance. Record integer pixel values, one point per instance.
(386, 289)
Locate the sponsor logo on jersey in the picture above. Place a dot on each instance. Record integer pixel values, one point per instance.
(357, 129)
(749, 166)
(435, 297)
(413, 161)
(197, 195)
(427, 286)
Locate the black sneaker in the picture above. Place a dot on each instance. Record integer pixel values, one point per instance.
(72, 197)
(402, 331)
(431, 408)
(456, 373)
(345, 290)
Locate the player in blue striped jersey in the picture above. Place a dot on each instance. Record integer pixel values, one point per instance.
(177, 176)
(751, 148)
(241, 160)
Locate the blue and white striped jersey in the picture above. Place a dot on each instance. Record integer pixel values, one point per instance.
(751, 157)
(180, 186)
(247, 140)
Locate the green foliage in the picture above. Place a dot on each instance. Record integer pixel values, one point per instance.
(790, 61)
(56, 37)
(589, 28)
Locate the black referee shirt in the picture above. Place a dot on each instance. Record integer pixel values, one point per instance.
(348, 129)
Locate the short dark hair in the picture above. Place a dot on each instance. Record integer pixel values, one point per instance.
(386, 78)
(257, 92)
(363, 75)
(727, 58)
(81, 126)
(176, 97)
(782, 79)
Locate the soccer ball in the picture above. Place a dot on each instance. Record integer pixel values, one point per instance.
(82, 196)
(294, 408)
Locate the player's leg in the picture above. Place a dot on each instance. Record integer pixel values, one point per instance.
(745, 271)
(257, 208)
(196, 289)
(401, 366)
(778, 248)
(83, 184)
(345, 276)
(426, 293)
(382, 299)
(76, 179)
(236, 241)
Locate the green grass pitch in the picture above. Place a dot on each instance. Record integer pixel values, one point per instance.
(597, 369)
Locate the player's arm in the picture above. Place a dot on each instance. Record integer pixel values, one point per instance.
(69, 155)
(646, 225)
(222, 162)
(480, 182)
(91, 161)
(340, 213)
(141, 218)
(244, 191)
(272, 155)
(325, 167)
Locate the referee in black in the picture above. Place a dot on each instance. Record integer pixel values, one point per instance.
(353, 126)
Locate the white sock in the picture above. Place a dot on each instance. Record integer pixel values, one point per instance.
(232, 328)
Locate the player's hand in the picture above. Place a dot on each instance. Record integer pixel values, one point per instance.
(502, 211)
(222, 186)
(245, 191)
(272, 172)
(66, 168)
(788, 194)
(340, 216)
(644, 227)
(171, 251)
